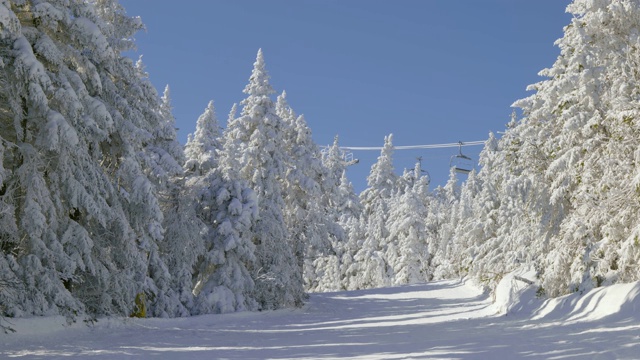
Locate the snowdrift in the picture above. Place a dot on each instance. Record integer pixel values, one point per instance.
(516, 294)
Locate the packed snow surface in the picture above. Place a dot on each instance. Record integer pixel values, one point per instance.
(439, 320)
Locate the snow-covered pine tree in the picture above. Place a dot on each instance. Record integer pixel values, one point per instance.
(229, 161)
(310, 191)
(391, 249)
(77, 124)
(479, 225)
(598, 155)
(468, 231)
(334, 160)
(576, 136)
(346, 208)
(168, 154)
(351, 220)
(39, 139)
(227, 209)
(373, 271)
(329, 266)
(443, 209)
(566, 181)
(183, 243)
(343, 202)
(510, 223)
(382, 178)
(189, 263)
(143, 156)
(407, 251)
(348, 204)
(171, 266)
(9, 237)
(204, 146)
(299, 186)
(253, 145)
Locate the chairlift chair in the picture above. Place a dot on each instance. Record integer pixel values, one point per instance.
(423, 172)
(460, 162)
(347, 156)
(349, 159)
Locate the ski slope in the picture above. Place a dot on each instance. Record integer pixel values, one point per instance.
(439, 320)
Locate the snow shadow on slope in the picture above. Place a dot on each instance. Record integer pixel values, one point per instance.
(440, 320)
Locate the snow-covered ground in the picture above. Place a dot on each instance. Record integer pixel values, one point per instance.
(439, 320)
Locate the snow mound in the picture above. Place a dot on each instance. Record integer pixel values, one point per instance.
(516, 295)
(516, 292)
(619, 300)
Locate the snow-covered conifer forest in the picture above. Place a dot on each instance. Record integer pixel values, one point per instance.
(104, 213)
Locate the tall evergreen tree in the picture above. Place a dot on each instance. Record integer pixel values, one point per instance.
(254, 142)
(224, 209)
(299, 183)
(346, 208)
(444, 207)
(77, 132)
(351, 220)
(477, 233)
(310, 195)
(407, 250)
(163, 166)
(227, 209)
(373, 270)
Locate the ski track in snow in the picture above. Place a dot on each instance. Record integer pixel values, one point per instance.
(439, 320)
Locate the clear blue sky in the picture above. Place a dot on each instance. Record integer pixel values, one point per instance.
(428, 71)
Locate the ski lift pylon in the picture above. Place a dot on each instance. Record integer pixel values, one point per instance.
(460, 162)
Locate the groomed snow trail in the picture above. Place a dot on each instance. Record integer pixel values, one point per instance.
(440, 320)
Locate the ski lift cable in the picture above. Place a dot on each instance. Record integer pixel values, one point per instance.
(414, 147)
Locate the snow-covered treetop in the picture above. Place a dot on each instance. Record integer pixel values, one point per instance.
(168, 127)
(207, 128)
(452, 187)
(333, 158)
(232, 113)
(417, 170)
(282, 106)
(286, 113)
(166, 98)
(203, 146)
(382, 176)
(487, 153)
(259, 81)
